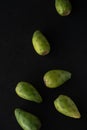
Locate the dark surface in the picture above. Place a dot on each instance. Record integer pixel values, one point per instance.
(19, 61)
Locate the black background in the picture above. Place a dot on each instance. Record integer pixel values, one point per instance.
(19, 61)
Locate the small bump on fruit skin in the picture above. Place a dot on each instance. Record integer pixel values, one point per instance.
(66, 106)
(28, 91)
(40, 43)
(26, 120)
(55, 78)
(63, 7)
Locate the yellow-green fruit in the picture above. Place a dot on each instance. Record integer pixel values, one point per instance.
(40, 43)
(26, 120)
(66, 106)
(63, 7)
(55, 78)
(28, 91)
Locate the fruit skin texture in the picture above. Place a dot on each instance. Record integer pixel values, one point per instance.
(66, 106)
(40, 43)
(26, 120)
(55, 78)
(27, 91)
(63, 7)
